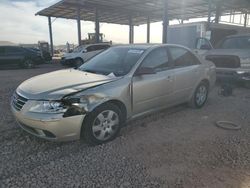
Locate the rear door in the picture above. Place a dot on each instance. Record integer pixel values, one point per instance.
(153, 91)
(14, 55)
(187, 72)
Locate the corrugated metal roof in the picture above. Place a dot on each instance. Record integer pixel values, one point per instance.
(119, 11)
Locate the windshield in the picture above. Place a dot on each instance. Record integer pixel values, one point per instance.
(236, 43)
(117, 60)
(78, 49)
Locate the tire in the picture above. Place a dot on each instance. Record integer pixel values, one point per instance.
(102, 125)
(200, 96)
(78, 62)
(28, 64)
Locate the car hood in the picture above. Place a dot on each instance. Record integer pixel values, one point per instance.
(241, 53)
(55, 85)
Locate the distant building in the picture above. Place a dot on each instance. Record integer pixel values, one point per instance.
(7, 43)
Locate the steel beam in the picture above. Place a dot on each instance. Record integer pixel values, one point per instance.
(97, 26)
(218, 12)
(51, 37)
(148, 30)
(209, 13)
(165, 22)
(245, 20)
(131, 30)
(79, 32)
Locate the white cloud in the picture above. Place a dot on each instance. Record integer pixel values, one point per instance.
(20, 25)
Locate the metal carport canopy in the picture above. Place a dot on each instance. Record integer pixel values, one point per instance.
(119, 11)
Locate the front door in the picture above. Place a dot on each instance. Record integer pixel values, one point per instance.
(153, 91)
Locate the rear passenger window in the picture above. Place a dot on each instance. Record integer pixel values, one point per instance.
(97, 47)
(182, 57)
(102, 47)
(157, 59)
(91, 48)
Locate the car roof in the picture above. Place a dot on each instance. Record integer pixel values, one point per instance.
(97, 44)
(148, 46)
(11, 46)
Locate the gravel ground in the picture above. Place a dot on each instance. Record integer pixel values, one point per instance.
(175, 148)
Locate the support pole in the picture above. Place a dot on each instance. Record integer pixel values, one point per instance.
(165, 22)
(245, 20)
(209, 13)
(131, 31)
(79, 26)
(218, 12)
(148, 30)
(97, 26)
(51, 37)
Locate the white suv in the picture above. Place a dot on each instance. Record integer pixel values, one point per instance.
(83, 53)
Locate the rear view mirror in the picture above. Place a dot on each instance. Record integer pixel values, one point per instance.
(144, 71)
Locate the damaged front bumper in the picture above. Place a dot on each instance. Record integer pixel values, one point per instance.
(53, 127)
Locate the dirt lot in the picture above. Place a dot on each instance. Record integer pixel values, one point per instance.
(179, 147)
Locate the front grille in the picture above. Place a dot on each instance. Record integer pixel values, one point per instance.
(18, 101)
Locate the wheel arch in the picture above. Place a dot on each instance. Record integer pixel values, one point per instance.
(206, 81)
(115, 102)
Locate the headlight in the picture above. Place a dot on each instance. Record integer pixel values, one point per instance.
(47, 107)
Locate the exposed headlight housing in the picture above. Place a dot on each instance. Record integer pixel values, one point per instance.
(53, 107)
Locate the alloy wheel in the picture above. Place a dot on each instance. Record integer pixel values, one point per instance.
(105, 125)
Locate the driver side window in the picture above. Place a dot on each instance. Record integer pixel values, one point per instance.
(157, 59)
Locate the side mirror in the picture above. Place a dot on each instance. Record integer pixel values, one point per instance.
(144, 71)
(84, 51)
(206, 47)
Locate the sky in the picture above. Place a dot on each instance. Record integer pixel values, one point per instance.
(20, 25)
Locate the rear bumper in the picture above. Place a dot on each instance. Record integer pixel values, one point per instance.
(233, 75)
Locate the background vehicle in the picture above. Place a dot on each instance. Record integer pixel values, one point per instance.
(92, 39)
(119, 84)
(200, 36)
(83, 53)
(232, 58)
(15, 55)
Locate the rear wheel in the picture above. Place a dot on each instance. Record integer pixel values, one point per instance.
(28, 64)
(102, 125)
(200, 96)
(78, 62)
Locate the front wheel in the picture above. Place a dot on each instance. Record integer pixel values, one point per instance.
(200, 96)
(102, 125)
